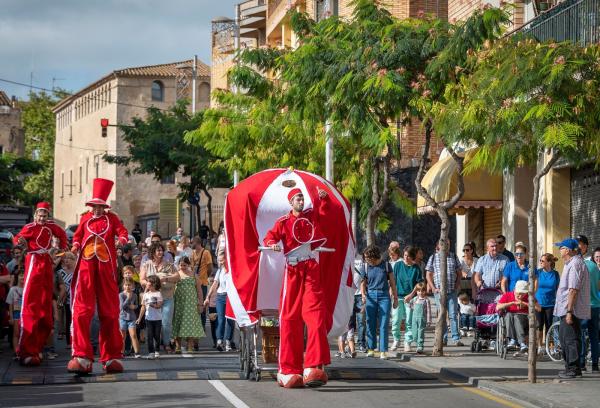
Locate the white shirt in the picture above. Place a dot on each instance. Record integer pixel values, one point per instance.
(152, 313)
(221, 277)
(468, 309)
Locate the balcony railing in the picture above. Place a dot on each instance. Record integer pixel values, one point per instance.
(574, 20)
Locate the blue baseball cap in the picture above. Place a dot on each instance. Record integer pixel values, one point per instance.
(568, 243)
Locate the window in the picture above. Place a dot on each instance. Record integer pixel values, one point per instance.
(325, 8)
(158, 90)
(70, 182)
(170, 179)
(87, 167)
(62, 185)
(80, 179)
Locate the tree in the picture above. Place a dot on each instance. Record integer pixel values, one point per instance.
(526, 103)
(13, 171)
(156, 146)
(39, 126)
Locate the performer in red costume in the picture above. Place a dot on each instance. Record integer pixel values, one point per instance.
(301, 296)
(36, 313)
(95, 284)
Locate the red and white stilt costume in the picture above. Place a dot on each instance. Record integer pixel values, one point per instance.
(95, 284)
(302, 296)
(36, 313)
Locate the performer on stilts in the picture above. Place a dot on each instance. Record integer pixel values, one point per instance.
(95, 284)
(302, 296)
(36, 314)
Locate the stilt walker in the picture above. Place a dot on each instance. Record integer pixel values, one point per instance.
(36, 314)
(95, 284)
(302, 296)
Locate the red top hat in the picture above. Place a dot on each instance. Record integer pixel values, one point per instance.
(101, 192)
(293, 193)
(43, 206)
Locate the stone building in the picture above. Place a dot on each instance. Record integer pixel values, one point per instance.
(12, 137)
(118, 97)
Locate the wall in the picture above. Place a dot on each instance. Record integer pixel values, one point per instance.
(12, 137)
(79, 144)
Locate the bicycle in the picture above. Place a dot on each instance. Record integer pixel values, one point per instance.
(553, 349)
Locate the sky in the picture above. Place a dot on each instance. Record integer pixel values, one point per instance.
(79, 41)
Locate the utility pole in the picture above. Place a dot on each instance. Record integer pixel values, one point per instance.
(54, 79)
(328, 132)
(236, 46)
(194, 75)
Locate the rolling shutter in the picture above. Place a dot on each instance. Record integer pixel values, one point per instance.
(585, 204)
(169, 216)
(492, 222)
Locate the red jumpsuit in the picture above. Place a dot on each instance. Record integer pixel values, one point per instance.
(36, 313)
(301, 299)
(95, 283)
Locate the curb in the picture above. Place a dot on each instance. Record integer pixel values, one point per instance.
(489, 384)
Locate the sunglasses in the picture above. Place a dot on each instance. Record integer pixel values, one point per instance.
(467, 249)
(519, 253)
(500, 242)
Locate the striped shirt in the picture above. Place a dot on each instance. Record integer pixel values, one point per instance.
(66, 278)
(491, 269)
(454, 268)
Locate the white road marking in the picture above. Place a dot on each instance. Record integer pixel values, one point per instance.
(226, 392)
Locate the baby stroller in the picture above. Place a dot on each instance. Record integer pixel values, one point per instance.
(487, 321)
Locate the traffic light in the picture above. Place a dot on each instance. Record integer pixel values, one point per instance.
(104, 124)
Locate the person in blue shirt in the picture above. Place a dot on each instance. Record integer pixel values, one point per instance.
(516, 270)
(545, 287)
(378, 286)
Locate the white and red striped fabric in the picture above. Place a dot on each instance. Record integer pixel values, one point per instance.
(255, 281)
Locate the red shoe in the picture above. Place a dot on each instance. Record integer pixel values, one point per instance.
(290, 380)
(79, 365)
(31, 361)
(112, 366)
(314, 377)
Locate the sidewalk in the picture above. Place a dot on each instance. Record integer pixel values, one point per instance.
(509, 377)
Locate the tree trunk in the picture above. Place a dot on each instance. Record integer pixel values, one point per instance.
(443, 249)
(532, 230)
(209, 207)
(198, 214)
(380, 199)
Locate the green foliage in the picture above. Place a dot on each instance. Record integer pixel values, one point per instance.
(39, 126)
(14, 171)
(156, 146)
(523, 98)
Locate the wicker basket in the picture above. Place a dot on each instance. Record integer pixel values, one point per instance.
(270, 344)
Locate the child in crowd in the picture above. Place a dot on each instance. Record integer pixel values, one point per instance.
(128, 304)
(421, 315)
(152, 302)
(130, 273)
(14, 299)
(348, 351)
(467, 315)
(212, 312)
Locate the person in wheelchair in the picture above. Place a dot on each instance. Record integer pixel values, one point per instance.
(515, 305)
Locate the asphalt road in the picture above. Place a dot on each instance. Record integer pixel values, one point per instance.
(204, 393)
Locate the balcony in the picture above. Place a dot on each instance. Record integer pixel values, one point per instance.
(573, 20)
